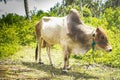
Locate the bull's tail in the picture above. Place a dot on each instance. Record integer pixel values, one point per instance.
(43, 45)
(38, 35)
(41, 41)
(36, 52)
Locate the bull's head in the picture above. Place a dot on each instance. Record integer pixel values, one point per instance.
(101, 40)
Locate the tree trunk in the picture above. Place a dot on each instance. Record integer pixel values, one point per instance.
(5, 1)
(26, 9)
(63, 4)
(81, 7)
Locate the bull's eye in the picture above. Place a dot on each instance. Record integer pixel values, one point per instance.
(102, 37)
(93, 35)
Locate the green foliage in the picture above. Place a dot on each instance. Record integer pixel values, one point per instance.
(14, 32)
(26, 33)
(113, 17)
(10, 19)
(40, 14)
(86, 12)
(8, 41)
(112, 3)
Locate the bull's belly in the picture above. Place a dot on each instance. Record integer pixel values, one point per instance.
(51, 40)
(51, 36)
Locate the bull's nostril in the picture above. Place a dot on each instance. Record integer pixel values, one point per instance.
(110, 50)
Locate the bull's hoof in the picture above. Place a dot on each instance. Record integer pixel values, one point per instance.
(69, 67)
(40, 63)
(52, 65)
(65, 71)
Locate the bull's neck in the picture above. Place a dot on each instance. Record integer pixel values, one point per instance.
(90, 32)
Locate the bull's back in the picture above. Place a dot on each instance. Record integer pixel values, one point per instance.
(51, 29)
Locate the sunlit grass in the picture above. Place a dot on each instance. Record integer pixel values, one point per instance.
(22, 65)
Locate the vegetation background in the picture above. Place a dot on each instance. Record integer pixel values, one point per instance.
(16, 31)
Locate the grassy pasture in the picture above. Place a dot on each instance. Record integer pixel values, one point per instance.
(22, 66)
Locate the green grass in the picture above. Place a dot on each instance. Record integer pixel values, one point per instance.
(22, 65)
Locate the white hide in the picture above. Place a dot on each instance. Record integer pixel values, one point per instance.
(54, 31)
(51, 29)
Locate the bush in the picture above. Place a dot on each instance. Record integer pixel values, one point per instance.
(86, 12)
(26, 33)
(11, 19)
(113, 17)
(13, 34)
(8, 41)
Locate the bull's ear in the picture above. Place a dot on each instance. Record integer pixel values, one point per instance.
(98, 29)
(93, 34)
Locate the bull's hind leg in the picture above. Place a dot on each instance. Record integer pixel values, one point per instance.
(48, 52)
(39, 50)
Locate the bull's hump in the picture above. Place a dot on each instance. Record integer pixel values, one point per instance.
(74, 16)
(73, 11)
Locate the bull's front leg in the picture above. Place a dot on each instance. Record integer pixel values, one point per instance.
(66, 60)
(68, 66)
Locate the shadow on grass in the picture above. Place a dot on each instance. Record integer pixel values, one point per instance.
(53, 71)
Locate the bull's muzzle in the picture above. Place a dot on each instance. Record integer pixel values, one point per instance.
(109, 49)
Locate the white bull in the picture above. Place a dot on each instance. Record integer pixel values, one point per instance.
(71, 33)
